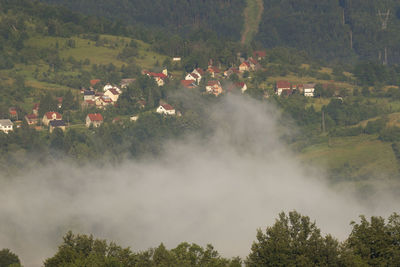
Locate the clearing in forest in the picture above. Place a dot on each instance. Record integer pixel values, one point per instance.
(252, 18)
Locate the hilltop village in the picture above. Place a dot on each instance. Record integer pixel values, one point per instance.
(102, 95)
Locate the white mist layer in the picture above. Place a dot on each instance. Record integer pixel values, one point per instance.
(217, 192)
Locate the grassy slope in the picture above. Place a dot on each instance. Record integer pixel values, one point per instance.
(84, 49)
(252, 15)
(365, 155)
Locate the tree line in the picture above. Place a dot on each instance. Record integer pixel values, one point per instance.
(293, 240)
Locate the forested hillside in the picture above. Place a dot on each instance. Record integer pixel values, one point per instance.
(178, 16)
(334, 30)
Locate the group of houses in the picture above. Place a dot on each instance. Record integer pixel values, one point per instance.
(101, 99)
(213, 86)
(285, 88)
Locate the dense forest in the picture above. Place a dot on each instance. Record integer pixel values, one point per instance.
(334, 30)
(177, 16)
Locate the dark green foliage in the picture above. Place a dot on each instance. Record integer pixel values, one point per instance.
(7, 259)
(293, 241)
(83, 250)
(349, 112)
(376, 242)
(376, 126)
(177, 16)
(390, 134)
(346, 131)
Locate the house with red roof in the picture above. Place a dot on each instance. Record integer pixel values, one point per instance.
(95, 119)
(214, 87)
(189, 84)
(166, 109)
(281, 86)
(214, 71)
(13, 113)
(103, 101)
(94, 82)
(158, 77)
(50, 116)
(259, 55)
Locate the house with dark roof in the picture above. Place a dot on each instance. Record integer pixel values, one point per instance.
(56, 124)
(88, 95)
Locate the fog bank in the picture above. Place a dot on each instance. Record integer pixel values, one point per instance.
(217, 191)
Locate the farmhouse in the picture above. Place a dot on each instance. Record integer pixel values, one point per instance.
(95, 119)
(245, 66)
(166, 109)
(6, 126)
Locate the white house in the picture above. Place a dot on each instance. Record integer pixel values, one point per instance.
(166, 109)
(309, 89)
(6, 126)
(113, 94)
(193, 76)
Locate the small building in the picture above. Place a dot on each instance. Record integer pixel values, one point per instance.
(95, 119)
(88, 95)
(50, 116)
(13, 113)
(56, 124)
(176, 59)
(134, 118)
(31, 119)
(282, 85)
(166, 109)
(309, 89)
(6, 126)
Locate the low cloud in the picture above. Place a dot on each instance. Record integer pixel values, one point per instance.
(217, 190)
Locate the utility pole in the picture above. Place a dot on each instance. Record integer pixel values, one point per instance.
(323, 121)
(384, 17)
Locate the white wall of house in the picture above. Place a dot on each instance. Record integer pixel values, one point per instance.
(162, 110)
